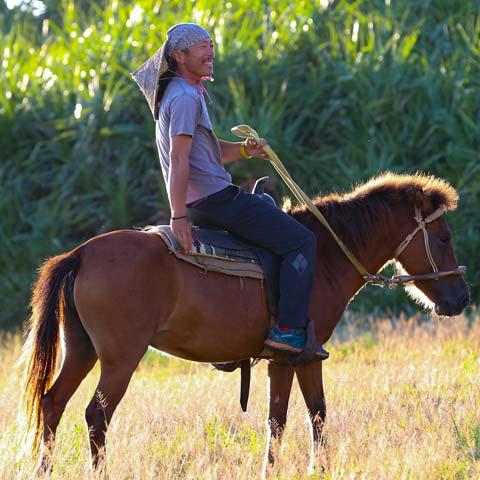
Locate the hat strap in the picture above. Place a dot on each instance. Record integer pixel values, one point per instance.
(199, 83)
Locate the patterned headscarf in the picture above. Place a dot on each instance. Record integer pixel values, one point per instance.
(183, 36)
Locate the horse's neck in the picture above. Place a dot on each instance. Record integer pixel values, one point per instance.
(347, 280)
(384, 241)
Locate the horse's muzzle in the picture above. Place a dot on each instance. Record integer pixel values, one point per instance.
(449, 307)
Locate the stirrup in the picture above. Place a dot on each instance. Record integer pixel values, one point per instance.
(309, 352)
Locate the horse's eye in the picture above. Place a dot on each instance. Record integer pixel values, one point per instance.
(444, 239)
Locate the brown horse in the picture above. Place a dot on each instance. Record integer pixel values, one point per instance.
(119, 293)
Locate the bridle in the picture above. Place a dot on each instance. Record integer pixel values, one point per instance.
(422, 226)
(435, 274)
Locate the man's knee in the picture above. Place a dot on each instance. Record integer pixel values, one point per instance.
(310, 241)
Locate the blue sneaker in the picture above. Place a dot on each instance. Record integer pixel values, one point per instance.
(291, 341)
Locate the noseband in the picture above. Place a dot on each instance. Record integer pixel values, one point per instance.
(435, 274)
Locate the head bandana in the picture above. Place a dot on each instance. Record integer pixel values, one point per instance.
(184, 35)
(179, 37)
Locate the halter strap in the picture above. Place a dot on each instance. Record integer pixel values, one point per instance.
(422, 226)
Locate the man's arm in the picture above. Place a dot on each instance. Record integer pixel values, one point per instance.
(231, 151)
(180, 146)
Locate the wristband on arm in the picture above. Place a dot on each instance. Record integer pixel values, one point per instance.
(243, 150)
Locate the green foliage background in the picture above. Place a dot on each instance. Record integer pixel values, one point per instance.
(342, 90)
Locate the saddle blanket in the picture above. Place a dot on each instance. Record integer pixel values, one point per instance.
(214, 251)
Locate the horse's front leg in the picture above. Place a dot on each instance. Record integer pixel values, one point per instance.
(311, 385)
(281, 378)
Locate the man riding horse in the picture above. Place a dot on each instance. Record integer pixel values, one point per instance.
(200, 190)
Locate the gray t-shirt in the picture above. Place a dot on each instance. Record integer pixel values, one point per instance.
(183, 112)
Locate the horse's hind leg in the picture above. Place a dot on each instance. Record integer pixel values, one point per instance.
(116, 372)
(281, 378)
(79, 358)
(311, 384)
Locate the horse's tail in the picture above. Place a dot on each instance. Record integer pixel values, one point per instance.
(50, 294)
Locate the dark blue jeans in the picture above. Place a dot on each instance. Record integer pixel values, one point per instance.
(259, 221)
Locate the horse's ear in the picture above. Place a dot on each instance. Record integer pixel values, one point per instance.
(419, 198)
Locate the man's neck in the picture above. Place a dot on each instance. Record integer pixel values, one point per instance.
(191, 79)
(195, 81)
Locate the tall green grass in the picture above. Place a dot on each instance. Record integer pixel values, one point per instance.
(342, 90)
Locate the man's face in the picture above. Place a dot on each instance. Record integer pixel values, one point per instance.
(197, 60)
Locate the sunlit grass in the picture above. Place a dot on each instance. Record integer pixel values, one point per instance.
(402, 403)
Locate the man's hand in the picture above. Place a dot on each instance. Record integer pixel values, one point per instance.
(182, 231)
(255, 149)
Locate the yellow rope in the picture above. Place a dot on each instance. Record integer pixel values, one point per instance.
(245, 131)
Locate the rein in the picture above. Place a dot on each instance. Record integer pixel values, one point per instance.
(245, 131)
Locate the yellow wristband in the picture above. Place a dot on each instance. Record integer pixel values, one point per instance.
(243, 151)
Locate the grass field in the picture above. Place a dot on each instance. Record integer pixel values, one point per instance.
(402, 403)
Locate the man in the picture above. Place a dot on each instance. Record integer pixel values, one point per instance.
(199, 188)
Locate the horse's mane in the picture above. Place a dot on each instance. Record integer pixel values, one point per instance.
(352, 215)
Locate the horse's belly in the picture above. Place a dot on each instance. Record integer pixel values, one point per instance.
(213, 317)
(213, 340)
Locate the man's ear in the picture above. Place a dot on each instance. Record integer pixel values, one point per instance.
(178, 56)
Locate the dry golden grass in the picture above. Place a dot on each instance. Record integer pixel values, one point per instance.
(403, 403)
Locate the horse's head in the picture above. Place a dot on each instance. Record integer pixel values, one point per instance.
(429, 249)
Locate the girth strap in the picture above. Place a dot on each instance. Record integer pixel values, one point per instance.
(245, 371)
(245, 374)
